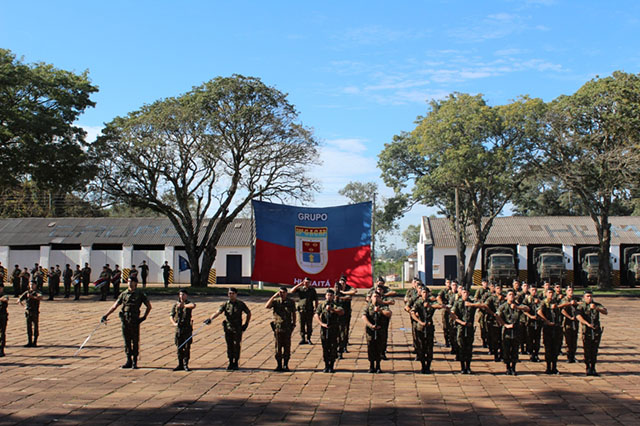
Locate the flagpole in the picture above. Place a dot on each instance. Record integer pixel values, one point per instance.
(373, 239)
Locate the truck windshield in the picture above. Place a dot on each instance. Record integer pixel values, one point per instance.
(502, 260)
(593, 260)
(553, 260)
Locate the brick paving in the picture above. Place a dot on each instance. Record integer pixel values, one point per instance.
(47, 385)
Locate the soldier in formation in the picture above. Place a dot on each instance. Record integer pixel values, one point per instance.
(549, 311)
(343, 294)
(463, 314)
(4, 317)
(422, 310)
(509, 317)
(588, 313)
(307, 305)
(373, 316)
(233, 326)
(328, 315)
(284, 321)
(180, 316)
(569, 304)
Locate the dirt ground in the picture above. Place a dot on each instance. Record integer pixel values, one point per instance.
(48, 385)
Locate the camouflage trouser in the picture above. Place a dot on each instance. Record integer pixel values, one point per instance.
(131, 335)
(32, 326)
(453, 336)
(182, 334)
(375, 344)
(424, 342)
(329, 339)
(484, 330)
(464, 338)
(445, 326)
(510, 345)
(552, 343)
(306, 324)
(495, 339)
(534, 330)
(591, 344)
(233, 337)
(386, 322)
(571, 338)
(343, 333)
(104, 291)
(3, 333)
(283, 343)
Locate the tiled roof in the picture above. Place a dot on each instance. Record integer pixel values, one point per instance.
(525, 230)
(126, 231)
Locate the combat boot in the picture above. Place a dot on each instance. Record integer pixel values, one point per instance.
(279, 367)
(463, 367)
(285, 365)
(513, 369)
(378, 369)
(372, 368)
(326, 367)
(134, 362)
(186, 365)
(180, 366)
(331, 368)
(127, 364)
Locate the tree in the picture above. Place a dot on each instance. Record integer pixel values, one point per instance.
(464, 145)
(38, 139)
(592, 147)
(411, 236)
(201, 157)
(27, 200)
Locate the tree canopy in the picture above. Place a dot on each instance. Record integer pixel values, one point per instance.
(201, 157)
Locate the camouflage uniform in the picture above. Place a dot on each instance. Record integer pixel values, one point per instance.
(104, 288)
(424, 334)
(329, 334)
(552, 334)
(131, 302)
(344, 321)
(15, 281)
(375, 338)
(283, 326)
(590, 336)
(495, 331)
(308, 297)
(184, 330)
(232, 326)
(534, 328)
(510, 336)
(4, 316)
(464, 333)
(481, 295)
(570, 328)
(32, 314)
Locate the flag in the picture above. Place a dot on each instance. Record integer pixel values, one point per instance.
(101, 282)
(319, 243)
(183, 264)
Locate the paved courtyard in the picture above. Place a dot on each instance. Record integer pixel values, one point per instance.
(48, 385)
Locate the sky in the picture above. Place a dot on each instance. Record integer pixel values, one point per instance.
(358, 72)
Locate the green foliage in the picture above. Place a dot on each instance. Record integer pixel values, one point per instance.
(411, 236)
(383, 216)
(38, 140)
(201, 157)
(26, 200)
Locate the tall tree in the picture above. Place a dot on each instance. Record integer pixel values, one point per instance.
(466, 145)
(411, 236)
(593, 149)
(201, 157)
(39, 141)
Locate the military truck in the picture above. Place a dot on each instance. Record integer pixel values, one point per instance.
(631, 256)
(500, 264)
(588, 260)
(549, 265)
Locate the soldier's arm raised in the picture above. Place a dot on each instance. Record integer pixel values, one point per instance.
(270, 301)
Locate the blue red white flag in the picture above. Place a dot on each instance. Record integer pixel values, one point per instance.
(319, 243)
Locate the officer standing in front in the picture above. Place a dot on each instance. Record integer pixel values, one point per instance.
(588, 313)
(328, 314)
(31, 312)
(307, 305)
(372, 316)
(232, 325)
(180, 316)
(131, 300)
(284, 321)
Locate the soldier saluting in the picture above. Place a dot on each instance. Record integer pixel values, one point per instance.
(180, 317)
(31, 312)
(552, 331)
(588, 313)
(131, 300)
(284, 321)
(373, 316)
(307, 305)
(422, 311)
(509, 317)
(327, 315)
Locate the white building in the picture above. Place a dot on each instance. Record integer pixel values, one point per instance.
(121, 241)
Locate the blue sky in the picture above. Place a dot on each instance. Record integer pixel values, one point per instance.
(358, 72)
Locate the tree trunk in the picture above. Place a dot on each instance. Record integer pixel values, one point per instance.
(604, 256)
(205, 268)
(468, 278)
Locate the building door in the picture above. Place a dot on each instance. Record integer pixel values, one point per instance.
(234, 269)
(450, 267)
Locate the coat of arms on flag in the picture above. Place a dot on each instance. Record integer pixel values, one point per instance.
(311, 248)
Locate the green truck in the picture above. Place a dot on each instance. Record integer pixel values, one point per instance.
(631, 256)
(549, 265)
(501, 265)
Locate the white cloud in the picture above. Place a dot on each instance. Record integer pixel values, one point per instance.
(352, 145)
(92, 132)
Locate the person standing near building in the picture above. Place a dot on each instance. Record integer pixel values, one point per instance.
(77, 279)
(4, 317)
(32, 298)
(116, 279)
(327, 315)
(481, 294)
(86, 279)
(144, 273)
(180, 316)
(372, 316)
(588, 313)
(284, 321)
(52, 282)
(105, 279)
(67, 276)
(533, 323)
(15, 281)
(166, 273)
(232, 325)
(24, 280)
(344, 294)
(307, 305)
(131, 300)
(570, 325)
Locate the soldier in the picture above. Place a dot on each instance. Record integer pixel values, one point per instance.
(464, 312)
(4, 316)
(327, 315)
(133, 272)
(480, 296)
(533, 323)
(166, 272)
(144, 273)
(232, 325)
(15, 281)
(3, 274)
(409, 298)
(180, 317)
(522, 329)
(86, 279)
(67, 275)
(372, 316)
(24, 280)
(493, 303)
(78, 277)
(450, 301)
(131, 300)
(588, 313)
(568, 305)
(31, 312)
(443, 297)
(116, 279)
(508, 316)
(40, 276)
(54, 281)
(385, 321)
(284, 321)
(307, 305)
(105, 278)
(422, 313)
(344, 293)
(552, 331)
